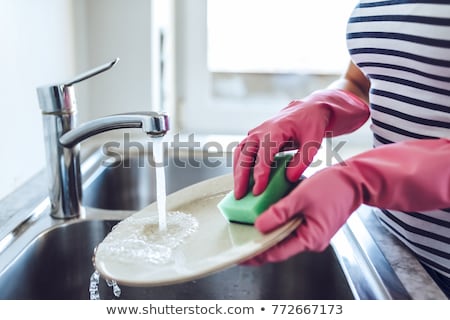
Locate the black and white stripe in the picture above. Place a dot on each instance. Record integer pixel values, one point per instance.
(404, 48)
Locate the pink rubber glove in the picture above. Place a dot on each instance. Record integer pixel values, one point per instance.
(301, 125)
(405, 176)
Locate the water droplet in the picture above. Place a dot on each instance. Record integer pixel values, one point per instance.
(116, 290)
(94, 296)
(95, 276)
(110, 283)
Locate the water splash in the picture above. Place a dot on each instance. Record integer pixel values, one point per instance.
(116, 289)
(139, 239)
(94, 293)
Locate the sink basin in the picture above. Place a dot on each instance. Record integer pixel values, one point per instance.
(57, 265)
(45, 258)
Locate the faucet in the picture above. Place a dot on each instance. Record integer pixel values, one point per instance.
(63, 137)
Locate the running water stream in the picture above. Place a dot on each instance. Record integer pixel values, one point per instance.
(150, 239)
(158, 158)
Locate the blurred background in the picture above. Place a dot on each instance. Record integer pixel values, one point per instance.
(217, 67)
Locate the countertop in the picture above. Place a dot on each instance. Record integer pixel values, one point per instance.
(16, 207)
(408, 269)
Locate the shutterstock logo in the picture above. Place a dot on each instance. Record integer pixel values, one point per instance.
(193, 151)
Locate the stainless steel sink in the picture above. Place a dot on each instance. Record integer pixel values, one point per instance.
(45, 258)
(46, 270)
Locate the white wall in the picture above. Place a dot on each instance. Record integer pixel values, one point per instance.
(107, 29)
(36, 47)
(47, 41)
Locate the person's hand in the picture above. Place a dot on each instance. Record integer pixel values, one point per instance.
(300, 126)
(405, 176)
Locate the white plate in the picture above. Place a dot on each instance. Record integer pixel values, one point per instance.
(216, 245)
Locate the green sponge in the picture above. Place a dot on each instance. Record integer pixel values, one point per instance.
(247, 209)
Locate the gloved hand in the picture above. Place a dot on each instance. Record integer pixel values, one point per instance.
(301, 125)
(405, 176)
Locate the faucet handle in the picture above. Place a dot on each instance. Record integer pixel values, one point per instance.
(93, 72)
(60, 98)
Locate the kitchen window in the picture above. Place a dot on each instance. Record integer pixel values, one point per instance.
(239, 61)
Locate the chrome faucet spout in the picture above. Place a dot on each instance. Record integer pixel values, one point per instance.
(152, 123)
(62, 138)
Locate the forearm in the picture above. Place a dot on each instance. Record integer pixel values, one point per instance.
(353, 81)
(407, 176)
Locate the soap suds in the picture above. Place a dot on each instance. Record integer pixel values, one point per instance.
(139, 239)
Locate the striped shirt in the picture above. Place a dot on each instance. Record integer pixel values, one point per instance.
(403, 47)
